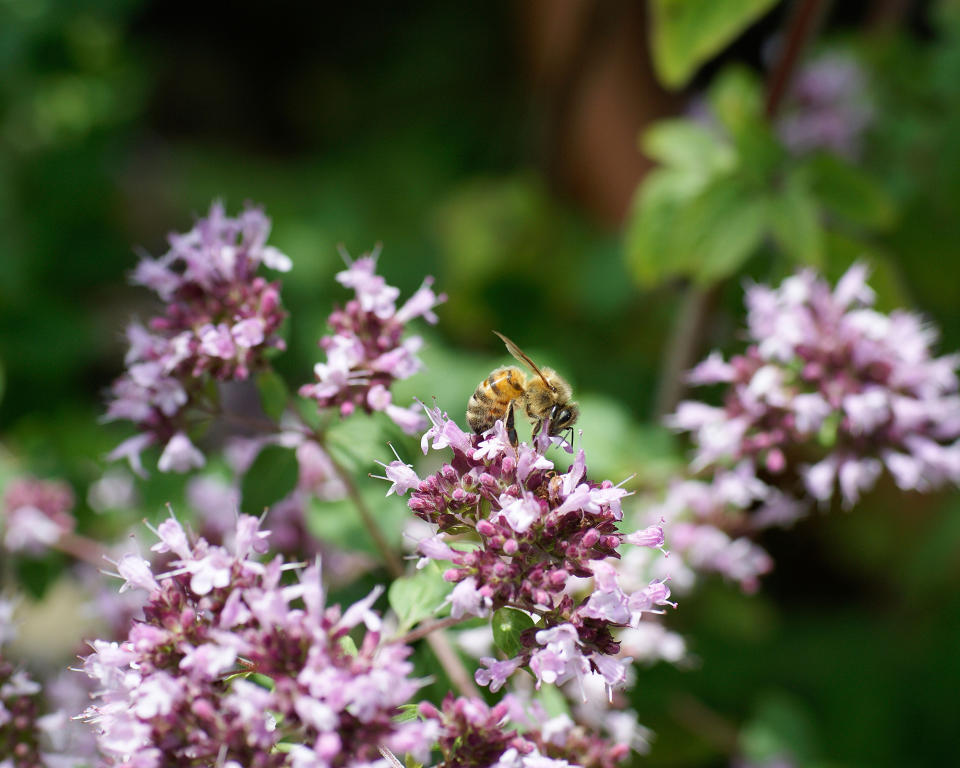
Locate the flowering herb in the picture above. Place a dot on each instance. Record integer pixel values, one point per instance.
(235, 668)
(220, 319)
(367, 351)
(475, 735)
(524, 530)
(830, 392)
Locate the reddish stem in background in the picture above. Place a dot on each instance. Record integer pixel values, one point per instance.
(803, 23)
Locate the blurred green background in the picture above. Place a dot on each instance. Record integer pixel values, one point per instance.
(494, 145)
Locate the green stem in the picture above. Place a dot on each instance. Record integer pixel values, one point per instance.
(390, 558)
(426, 628)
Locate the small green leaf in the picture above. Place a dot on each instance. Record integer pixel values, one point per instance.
(720, 230)
(686, 33)
(353, 442)
(408, 713)
(417, 597)
(271, 477)
(736, 99)
(273, 393)
(508, 624)
(553, 701)
(348, 645)
(795, 223)
(688, 145)
(849, 193)
(651, 225)
(827, 436)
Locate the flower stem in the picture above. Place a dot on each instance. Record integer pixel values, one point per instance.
(426, 628)
(390, 558)
(440, 644)
(683, 345)
(81, 548)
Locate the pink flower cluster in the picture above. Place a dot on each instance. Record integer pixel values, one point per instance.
(475, 735)
(526, 530)
(709, 523)
(31, 736)
(830, 393)
(828, 107)
(234, 667)
(220, 318)
(20, 731)
(36, 513)
(367, 351)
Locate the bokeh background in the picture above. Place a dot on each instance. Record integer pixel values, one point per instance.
(495, 146)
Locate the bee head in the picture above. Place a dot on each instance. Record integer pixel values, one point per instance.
(563, 417)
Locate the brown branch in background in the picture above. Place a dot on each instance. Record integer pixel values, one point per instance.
(887, 15)
(802, 24)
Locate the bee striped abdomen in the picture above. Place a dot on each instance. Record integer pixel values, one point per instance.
(493, 397)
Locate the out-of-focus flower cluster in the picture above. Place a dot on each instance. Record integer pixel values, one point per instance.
(36, 513)
(525, 530)
(475, 735)
(708, 523)
(220, 318)
(828, 107)
(233, 667)
(829, 394)
(31, 736)
(367, 351)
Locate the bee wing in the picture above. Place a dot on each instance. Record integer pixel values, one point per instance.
(519, 354)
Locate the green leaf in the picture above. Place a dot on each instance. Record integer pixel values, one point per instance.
(507, 624)
(271, 477)
(781, 726)
(720, 230)
(736, 99)
(349, 646)
(827, 436)
(849, 193)
(274, 395)
(795, 223)
(651, 225)
(686, 33)
(408, 713)
(553, 701)
(688, 145)
(417, 597)
(354, 442)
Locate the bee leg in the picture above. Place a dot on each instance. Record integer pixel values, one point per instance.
(511, 427)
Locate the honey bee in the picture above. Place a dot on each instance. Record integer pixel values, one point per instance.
(543, 396)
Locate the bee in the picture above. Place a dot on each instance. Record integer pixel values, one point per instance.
(544, 396)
